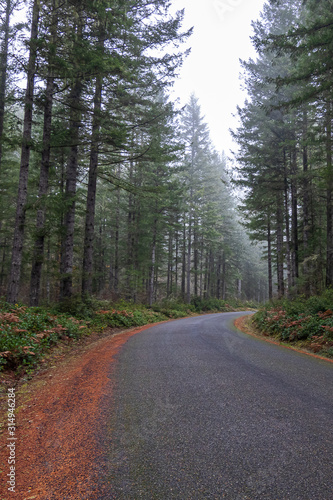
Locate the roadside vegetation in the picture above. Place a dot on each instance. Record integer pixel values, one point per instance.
(27, 334)
(304, 322)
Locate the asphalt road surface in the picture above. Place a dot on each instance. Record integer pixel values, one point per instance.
(200, 410)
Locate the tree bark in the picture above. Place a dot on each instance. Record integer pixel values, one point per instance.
(218, 283)
(66, 269)
(211, 273)
(36, 270)
(2, 272)
(306, 207)
(294, 219)
(183, 262)
(201, 283)
(116, 242)
(269, 259)
(279, 247)
(91, 195)
(287, 222)
(224, 278)
(37, 264)
(196, 257)
(152, 269)
(3, 69)
(170, 266)
(17, 249)
(239, 289)
(176, 264)
(206, 280)
(329, 199)
(189, 255)
(130, 235)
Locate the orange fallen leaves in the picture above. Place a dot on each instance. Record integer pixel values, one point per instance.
(5, 354)
(327, 328)
(325, 314)
(9, 318)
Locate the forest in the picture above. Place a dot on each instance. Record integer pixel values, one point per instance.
(111, 189)
(108, 187)
(284, 161)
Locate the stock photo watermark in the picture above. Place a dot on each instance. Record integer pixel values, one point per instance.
(11, 445)
(224, 7)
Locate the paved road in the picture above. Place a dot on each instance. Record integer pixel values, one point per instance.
(203, 411)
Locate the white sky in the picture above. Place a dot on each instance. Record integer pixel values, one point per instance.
(222, 30)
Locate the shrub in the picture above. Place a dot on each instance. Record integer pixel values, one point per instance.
(27, 332)
(308, 320)
(78, 307)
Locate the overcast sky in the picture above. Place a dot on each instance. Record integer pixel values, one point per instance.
(222, 30)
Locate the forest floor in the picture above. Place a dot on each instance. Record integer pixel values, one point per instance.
(50, 409)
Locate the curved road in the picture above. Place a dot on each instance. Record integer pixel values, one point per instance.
(200, 410)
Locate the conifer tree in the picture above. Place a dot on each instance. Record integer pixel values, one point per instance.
(16, 258)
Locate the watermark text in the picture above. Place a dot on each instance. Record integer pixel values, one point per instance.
(11, 444)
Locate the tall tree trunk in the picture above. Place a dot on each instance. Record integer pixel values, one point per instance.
(91, 195)
(286, 214)
(15, 271)
(170, 267)
(189, 255)
(176, 264)
(36, 270)
(269, 259)
(201, 285)
(135, 240)
(48, 274)
(3, 70)
(206, 285)
(2, 272)
(329, 199)
(130, 235)
(100, 263)
(306, 207)
(183, 262)
(116, 240)
(152, 269)
(219, 270)
(196, 257)
(294, 218)
(224, 278)
(156, 284)
(211, 273)
(37, 264)
(66, 270)
(279, 246)
(116, 244)
(239, 289)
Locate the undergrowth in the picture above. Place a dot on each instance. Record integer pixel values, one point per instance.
(28, 333)
(300, 320)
